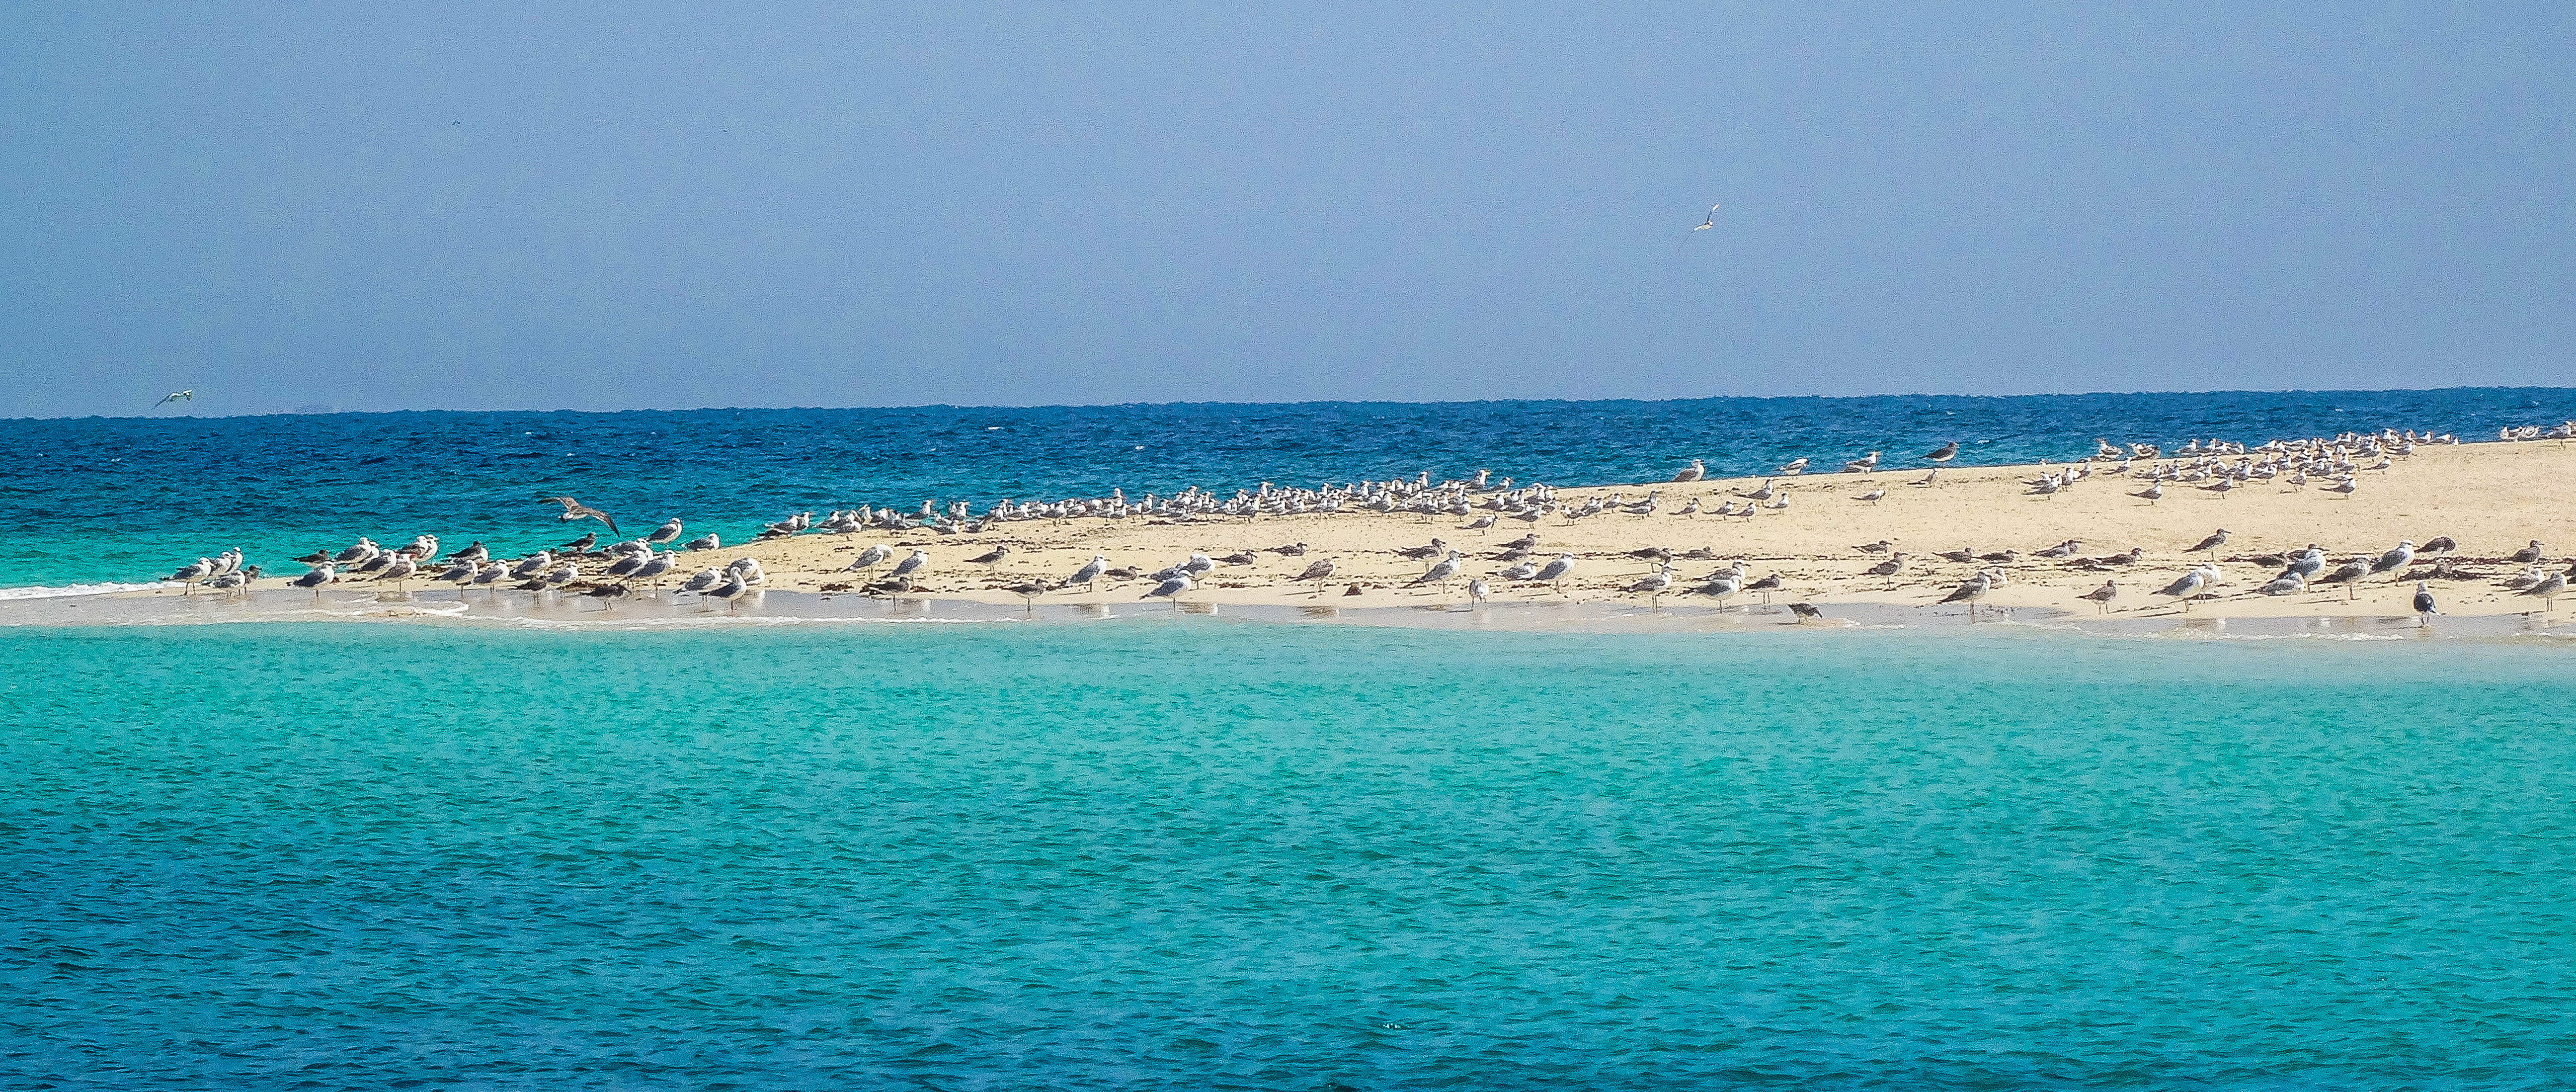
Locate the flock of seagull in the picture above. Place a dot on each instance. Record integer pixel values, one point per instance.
(617, 568)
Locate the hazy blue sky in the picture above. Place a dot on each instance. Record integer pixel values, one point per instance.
(632, 206)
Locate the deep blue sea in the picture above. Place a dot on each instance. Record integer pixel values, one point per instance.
(1173, 851)
(1188, 853)
(125, 499)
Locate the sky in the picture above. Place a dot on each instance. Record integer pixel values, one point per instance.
(378, 207)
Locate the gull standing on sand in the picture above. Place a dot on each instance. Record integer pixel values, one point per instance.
(703, 542)
(874, 555)
(910, 565)
(1555, 572)
(2154, 492)
(320, 575)
(2395, 561)
(665, 533)
(1089, 574)
(1655, 583)
(1319, 570)
(1971, 591)
(1171, 588)
(2101, 597)
(1943, 453)
(2548, 589)
(1440, 573)
(1698, 470)
(2210, 544)
(2188, 585)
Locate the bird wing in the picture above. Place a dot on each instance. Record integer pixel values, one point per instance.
(604, 517)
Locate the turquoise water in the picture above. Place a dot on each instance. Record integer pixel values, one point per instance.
(1191, 853)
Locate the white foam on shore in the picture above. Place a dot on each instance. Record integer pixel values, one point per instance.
(39, 591)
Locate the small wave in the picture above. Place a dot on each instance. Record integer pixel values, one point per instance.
(39, 591)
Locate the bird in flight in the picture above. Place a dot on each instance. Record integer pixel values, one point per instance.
(175, 396)
(1710, 222)
(573, 510)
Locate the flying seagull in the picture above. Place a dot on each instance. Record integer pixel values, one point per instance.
(175, 396)
(1710, 222)
(576, 510)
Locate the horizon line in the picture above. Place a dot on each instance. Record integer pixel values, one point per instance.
(1297, 403)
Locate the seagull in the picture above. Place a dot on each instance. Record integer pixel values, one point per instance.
(1711, 222)
(321, 574)
(2210, 544)
(177, 396)
(1944, 453)
(993, 558)
(703, 542)
(2152, 493)
(2424, 611)
(398, 570)
(1089, 573)
(1793, 466)
(580, 544)
(1556, 571)
(665, 533)
(2102, 596)
(1440, 573)
(1971, 591)
(2528, 555)
(1806, 612)
(2395, 560)
(1654, 584)
(2548, 589)
(1766, 586)
(2350, 574)
(1890, 567)
(1477, 590)
(909, 565)
(706, 580)
(2187, 585)
(1171, 588)
(576, 510)
(2284, 584)
(1873, 496)
(870, 557)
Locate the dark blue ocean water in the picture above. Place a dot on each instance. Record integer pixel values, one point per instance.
(1182, 853)
(126, 499)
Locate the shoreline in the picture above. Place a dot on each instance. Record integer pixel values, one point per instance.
(577, 614)
(2492, 498)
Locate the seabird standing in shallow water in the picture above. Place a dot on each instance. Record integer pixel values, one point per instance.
(2424, 611)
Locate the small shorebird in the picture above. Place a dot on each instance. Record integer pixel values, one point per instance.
(576, 510)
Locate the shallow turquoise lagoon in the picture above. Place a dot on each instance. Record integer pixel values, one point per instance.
(1194, 853)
